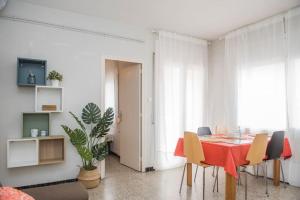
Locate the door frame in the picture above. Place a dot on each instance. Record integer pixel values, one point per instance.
(142, 97)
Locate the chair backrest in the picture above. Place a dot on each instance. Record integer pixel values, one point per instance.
(257, 151)
(275, 146)
(203, 131)
(193, 148)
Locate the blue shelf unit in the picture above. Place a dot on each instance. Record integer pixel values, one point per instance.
(37, 68)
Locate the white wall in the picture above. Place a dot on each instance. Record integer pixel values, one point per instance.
(216, 94)
(79, 56)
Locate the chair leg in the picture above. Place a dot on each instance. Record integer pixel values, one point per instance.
(217, 179)
(265, 173)
(182, 178)
(266, 178)
(255, 170)
(281, 167)
(215, 182)
(213, 174)
(246, 186)
(239, 176)
(203, 183)
(196, 173)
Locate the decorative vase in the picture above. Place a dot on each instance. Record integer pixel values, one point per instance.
(34, 132)
(31, 78)
(55, 83)
(89, 178)
(44, 133)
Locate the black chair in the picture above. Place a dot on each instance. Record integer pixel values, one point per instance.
(275, 149)
(203, 131)
(275, 146)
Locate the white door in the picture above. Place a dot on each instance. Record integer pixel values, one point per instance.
(130, 114)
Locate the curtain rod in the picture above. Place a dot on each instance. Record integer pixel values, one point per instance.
(247, 25)
(182, 34)
(69, 28)
(157, 31)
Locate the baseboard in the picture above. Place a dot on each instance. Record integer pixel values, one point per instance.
(114, 154)
(47, 184)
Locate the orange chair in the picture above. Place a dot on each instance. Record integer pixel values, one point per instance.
(256, 155)
(194, 154)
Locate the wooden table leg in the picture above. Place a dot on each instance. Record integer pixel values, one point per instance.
(230, 187)
(189, 174)
(276, 173)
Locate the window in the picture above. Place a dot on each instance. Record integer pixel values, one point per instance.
(261, 97)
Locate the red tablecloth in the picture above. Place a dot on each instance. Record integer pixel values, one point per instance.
(227, 155)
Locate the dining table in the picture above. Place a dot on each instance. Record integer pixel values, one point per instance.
(229, 152)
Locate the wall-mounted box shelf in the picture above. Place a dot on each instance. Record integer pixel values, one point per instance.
(48, 95)
(37, 67)
(22, 152)
(35, 121)
(35, 151)
(51, 150)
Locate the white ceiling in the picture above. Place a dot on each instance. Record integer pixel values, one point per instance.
(208, 19)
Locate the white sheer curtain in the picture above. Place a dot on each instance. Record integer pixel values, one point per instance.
(262, 83)
(180, 86)
(255, 66)
(293, 93)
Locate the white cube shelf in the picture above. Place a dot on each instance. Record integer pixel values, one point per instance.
(22, 152)
(48, 95)
(35, 151)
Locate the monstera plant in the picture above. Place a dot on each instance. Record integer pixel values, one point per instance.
(89, 140)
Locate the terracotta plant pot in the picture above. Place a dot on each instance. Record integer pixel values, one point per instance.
(89, 178)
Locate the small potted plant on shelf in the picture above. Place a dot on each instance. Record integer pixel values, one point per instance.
(55, 78)
(89, 141)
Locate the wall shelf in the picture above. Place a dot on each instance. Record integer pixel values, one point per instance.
(51, 150)
(35, 151)
(22, 152)
(34, 66)
(48, 95)
(36, 120)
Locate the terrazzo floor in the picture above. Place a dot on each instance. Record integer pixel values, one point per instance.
(122, 182)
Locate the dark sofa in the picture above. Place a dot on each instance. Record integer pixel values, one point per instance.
(64, 191)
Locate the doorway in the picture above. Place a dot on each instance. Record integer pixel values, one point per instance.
(123, 91)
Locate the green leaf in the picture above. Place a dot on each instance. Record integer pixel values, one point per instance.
(84, 153)
(78, 121)
(78, 137)
(67, 130)
(108, 115)
(103, 127)
(91, 114)
(54, 75)
(100, 151)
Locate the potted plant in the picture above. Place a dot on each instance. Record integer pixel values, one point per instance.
(55, 78)
(89, 141)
